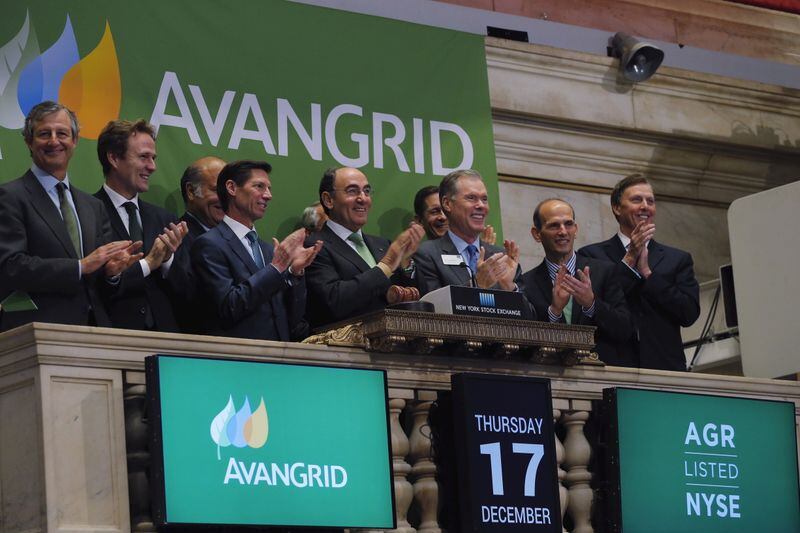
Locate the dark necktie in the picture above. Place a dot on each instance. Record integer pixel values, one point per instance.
(70, 220)
(134, 228)
(252, 236)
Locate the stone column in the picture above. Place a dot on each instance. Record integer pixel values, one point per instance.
(423, 471)
(559, 405)
(403, 491)
(138, 454)
(578, 452)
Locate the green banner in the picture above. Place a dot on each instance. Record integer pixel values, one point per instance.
(706, 464)
(303, 87)
(261, 443)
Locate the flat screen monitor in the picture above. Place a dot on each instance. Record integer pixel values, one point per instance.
(263, 444)
(695, 463)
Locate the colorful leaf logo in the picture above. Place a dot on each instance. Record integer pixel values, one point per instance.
(218, 425)
(256, 429)
(41, 78)
(240, 428)
(14, 55)
(90, 86)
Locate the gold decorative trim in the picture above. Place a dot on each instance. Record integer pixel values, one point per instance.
(349, 335)
(416, 332)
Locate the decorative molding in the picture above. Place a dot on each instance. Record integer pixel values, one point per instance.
(126, 349)
(563, 116)
(597, 157)
(393, 330)
(543, 67)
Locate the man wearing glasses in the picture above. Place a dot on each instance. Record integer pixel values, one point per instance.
(355, 273)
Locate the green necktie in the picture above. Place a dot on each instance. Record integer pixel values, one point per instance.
(567, 312)
(362, 249)
(70, 220)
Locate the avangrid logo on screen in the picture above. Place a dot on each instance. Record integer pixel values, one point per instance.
(90, 86)
(240, 428)
(250, 429)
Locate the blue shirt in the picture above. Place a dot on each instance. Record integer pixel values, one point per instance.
(49, 182)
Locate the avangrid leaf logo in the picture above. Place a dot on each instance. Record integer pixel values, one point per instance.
(90, 86)
(240, 428)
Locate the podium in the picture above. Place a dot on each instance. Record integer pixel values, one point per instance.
(472, 301)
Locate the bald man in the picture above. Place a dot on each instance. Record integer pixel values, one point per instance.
(199, 191)
(572, 289)
(203, 212)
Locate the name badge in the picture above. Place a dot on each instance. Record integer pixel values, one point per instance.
(454, 260)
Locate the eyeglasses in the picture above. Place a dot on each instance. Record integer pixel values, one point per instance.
(354, 192)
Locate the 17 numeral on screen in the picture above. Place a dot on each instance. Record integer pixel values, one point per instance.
(492, 449)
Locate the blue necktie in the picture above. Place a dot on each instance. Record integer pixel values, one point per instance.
(472, 255)
(252, 236)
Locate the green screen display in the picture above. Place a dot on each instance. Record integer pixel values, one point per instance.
(273, 444)
(693, 463)
(303, 87)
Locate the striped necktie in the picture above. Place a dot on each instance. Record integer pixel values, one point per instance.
(70, 220)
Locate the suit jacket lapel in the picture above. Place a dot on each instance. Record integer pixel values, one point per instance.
(577, 316)
(47, 210)
(279, 314)
(149, 231)
(376, 247)
(655, 253)
(343, 249)
(195, 228)
(86, 219)
(459, 272)
(614, 249)
(238, 248)
(543, 282)
(113, 215)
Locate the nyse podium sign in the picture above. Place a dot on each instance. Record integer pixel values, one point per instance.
(458, 300)
(506, 454)
(704, 464)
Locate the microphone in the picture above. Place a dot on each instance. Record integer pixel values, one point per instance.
(472, 281)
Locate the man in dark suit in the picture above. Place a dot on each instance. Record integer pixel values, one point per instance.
(54, 239)
(199, 192)
(203, 212)
(257, 290)
(127, 153)
(355, 273)
(570, 289)
(460, 257)
(658, 281)
(428, 212)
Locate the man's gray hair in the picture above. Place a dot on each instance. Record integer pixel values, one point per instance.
(310, 217)
(449, 184)
(39, 111)
(192, 178)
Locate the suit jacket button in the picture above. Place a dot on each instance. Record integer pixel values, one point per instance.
(142, 311)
